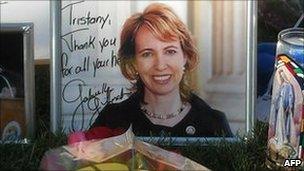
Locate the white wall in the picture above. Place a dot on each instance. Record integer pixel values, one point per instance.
(220, 31)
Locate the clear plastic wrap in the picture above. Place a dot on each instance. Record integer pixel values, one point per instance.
(123, 152)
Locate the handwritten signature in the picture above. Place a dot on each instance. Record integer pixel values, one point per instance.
(93, 100)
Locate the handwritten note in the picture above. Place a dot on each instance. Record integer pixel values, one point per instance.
(91, 76)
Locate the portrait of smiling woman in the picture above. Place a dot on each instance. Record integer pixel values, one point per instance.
(157, 54)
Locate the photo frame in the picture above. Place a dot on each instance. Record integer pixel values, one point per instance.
(17, 98)
(56, 115)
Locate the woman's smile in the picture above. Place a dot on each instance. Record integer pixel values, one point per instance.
(162, 79)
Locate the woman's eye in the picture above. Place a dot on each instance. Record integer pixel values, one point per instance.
(146, 54)
(170, 52)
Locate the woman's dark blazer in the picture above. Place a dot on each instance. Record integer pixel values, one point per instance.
(201, 120)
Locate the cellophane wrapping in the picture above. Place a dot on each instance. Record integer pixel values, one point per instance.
(123, 152)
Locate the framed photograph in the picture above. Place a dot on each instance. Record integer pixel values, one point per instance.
(17, 98)
(91, 78)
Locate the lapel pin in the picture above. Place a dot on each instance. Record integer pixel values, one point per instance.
(190, 130)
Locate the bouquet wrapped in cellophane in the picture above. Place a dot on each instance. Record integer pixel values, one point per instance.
(123, 152)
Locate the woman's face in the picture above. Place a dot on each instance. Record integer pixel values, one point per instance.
(158, 63)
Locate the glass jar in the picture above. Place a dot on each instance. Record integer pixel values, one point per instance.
(291, 43)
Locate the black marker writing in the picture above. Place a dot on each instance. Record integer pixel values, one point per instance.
(71, 4)
(77, 95)
(67, 70)
(85, 65)
(74, 45)
(98, 63)
(105, 42)
(74, 31)
(92, 101)
(114, 59)
(87, 19)
(81, 44)
(102, 63)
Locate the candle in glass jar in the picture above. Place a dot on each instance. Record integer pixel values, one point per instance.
(291, 43)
